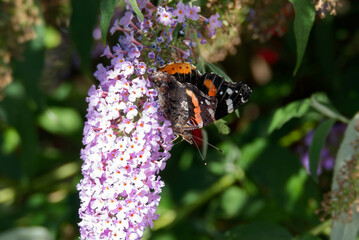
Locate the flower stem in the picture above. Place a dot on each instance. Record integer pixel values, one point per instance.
(327, 111)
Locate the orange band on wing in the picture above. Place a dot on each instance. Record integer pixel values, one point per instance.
(197, 110)
(174, 68)
(212, 90)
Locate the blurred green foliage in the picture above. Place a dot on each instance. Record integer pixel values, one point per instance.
(257, 189)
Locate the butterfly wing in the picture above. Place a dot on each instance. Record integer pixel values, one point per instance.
(230, 95)
(201, 108)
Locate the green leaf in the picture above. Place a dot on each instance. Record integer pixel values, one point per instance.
(200, 64)
(107, 8)
(258, 231)
(218, 71)
(321, 103)
(316, 146)
(136, 9)
(11, 140)
(303, 23)
(52, 37)
(309, 236)
(237, 113)
(27, 233)
(83, 19)
(59, 120)
(251, 151)
(233, 200)
(346, 230)
(222, 127)
(292, 110)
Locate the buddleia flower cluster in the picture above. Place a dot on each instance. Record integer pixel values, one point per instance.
(127, 140)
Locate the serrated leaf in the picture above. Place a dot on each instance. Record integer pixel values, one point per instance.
(136, 9)
(303, 23)
(317, 144)
(218, 71)
(292, 110)
(346, 230)
(258, 231)
(222, 127)
(59, 120)
(107, 8)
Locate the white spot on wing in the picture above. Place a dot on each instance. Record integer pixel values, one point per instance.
(229, 103)
(207, 102)
(184, 105)
(229, 91)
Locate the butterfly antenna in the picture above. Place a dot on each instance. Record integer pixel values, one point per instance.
(218, 149)
(204, 161)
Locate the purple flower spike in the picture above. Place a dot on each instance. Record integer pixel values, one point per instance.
(127, 140)
(119, 191)
(126, 145)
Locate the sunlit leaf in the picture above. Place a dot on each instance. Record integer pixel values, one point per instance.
(258, 231)
(342, 228)
(233, 200)
(292, 110)
(52, 37)
(107, 8)
(295, 186)
(136, 9)
(11, 140)
(303, 22)
(251, 151)
(237, 113)
(222, 127)
(317, 144)
(60, 120)
(27, 233)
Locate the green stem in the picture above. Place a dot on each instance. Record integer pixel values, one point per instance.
(321, 228)
(327, 111)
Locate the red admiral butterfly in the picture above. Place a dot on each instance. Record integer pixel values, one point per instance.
(190, 100)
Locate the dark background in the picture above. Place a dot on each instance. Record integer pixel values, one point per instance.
(257, 185)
